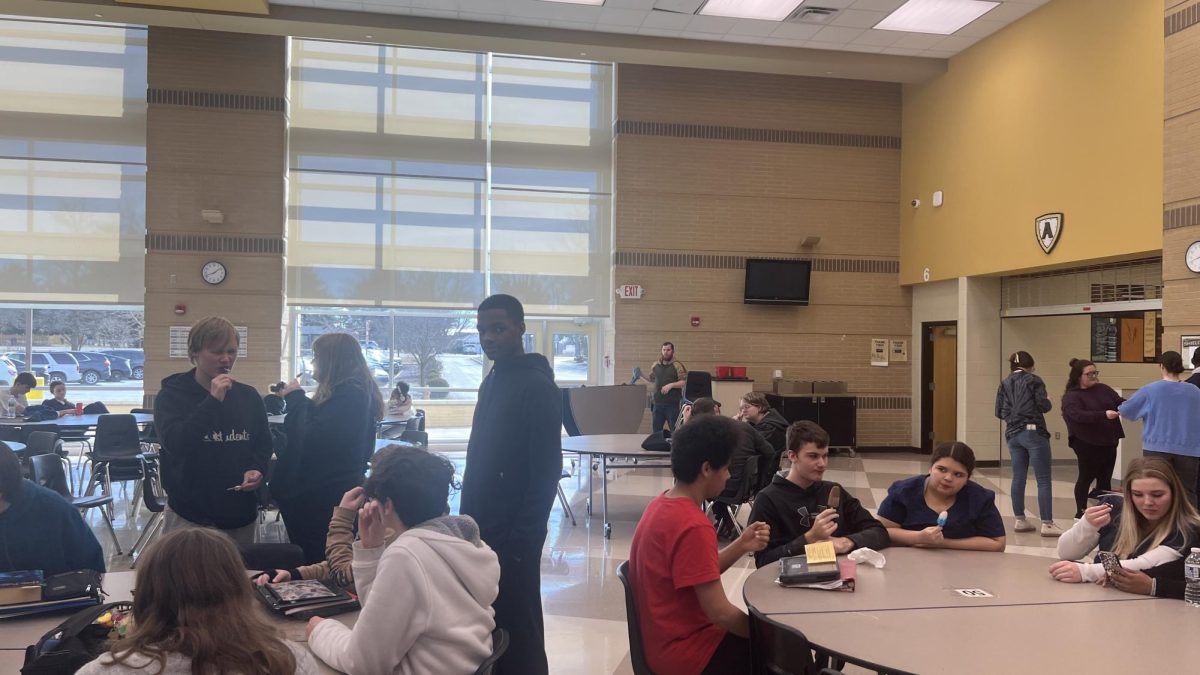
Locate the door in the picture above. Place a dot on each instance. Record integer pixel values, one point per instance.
(569, 347)
(939, 373)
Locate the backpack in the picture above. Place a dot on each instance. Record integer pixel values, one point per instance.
(39, 413)
(72, 643)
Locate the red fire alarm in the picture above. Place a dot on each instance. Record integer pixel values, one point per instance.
(695, 322)
(181, 309)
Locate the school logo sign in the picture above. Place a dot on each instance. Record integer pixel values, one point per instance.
(1048, 228)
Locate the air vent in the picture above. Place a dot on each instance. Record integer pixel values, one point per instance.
(817, 15)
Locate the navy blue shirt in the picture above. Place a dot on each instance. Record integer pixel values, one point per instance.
(42, 531)
(974, 513)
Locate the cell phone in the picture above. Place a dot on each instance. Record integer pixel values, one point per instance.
(1111, 563)
(235, 488)
(835, 497)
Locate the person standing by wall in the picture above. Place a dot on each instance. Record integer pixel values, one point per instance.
(1170, 416)
(214, 436)
(667, 378)
(514, 463)
(1093, 429)
(1021, 402)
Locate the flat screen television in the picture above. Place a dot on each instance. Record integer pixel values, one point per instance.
(777, 282)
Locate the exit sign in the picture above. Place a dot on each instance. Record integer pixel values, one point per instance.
(630, 292)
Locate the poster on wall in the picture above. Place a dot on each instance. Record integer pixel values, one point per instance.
(177, 341)
(879, 351)
(899, 351)
(1187, 346)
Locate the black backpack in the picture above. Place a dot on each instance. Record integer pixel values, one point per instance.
(72, 644)
(39, 413)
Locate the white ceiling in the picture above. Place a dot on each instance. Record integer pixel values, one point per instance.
(850, 30)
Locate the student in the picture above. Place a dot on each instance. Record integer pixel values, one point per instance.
(214, 437)
(1170, 416)
(273, 402)
(1093, 429)
(756, 409)
(330, 440)
(39, 530)
(794, 505)
(400, 403)
(22, 385)
(59, 402)
(688, 624)
(910, 510)
(193, 612)
(751, 447)
(1151, 530)
(427, 596)
(1021, 402)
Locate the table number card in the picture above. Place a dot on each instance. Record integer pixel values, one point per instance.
(820, 552)
(973, 593)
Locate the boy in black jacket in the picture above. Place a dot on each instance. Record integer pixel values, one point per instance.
(214, 436)
(795, 505)
(514, 463)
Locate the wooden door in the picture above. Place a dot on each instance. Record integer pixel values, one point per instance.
(945, 383)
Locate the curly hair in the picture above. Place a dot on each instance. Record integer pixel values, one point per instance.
(417, 482)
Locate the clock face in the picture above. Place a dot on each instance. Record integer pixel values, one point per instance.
(213, 272)
(1192, 257)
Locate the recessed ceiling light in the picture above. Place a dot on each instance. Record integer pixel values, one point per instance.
(99, 16)
(766, 10)
(596, 3)
(368, 36)
(940, 17)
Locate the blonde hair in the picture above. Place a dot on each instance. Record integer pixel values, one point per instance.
(211, 331)
(757, 399)
(338, 359)
(194, 599)
(1134, 530)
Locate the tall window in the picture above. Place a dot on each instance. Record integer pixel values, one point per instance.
(426, 179)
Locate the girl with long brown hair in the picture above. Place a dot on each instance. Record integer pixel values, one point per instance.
(1093, 429)
(193, 614)
(1151, 530)
(330, 439)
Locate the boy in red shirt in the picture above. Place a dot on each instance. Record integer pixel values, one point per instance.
(689, 627)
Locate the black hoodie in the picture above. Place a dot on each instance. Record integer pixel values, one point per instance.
(328, 445)
(774, 427)
(514, 457)
(207, 447)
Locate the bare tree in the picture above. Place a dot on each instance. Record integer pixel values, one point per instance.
(424, 338)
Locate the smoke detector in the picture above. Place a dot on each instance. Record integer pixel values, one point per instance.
(817, 15)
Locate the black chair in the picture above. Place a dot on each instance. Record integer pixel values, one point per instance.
(698, 384)
(271, 556)
(499, 646)
(114, 455)
(47, 470)
(418, 437)
(154, 498)
(417, 423)
(743, 494)
(149, 434)
(637, 652)
(776, 649)
(48, 443)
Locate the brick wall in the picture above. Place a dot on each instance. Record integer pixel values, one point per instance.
(216, 138)
(747, 165)
(1181, 169)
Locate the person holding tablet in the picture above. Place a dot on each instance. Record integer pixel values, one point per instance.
(944, 509)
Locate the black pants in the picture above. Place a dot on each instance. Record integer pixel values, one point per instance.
(1187, 467)
(307, 519)
(519, 611)
(732, 657)
(1096, 463)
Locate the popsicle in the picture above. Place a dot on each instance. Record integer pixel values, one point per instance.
(941, 521)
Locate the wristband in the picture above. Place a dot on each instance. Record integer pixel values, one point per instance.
(1153, 586)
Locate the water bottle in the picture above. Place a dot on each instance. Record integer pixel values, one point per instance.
(1191, 573)
(12, 406)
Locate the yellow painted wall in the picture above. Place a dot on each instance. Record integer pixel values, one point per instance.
(1061, 111)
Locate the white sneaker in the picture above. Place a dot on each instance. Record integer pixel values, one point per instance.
(1051, 530)
(1022, 525)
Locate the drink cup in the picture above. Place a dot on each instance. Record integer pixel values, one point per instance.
(78, 408)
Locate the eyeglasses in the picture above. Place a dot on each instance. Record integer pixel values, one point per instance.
(1094, 373)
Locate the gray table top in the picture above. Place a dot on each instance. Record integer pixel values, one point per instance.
(926, 579)
(612, 445)
(1082, 637)
(70, 421)
(15, 446)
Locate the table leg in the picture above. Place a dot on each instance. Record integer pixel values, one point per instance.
(591, 477)
(604, 495)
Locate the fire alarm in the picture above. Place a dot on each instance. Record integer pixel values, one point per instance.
(181, 309)
(695, 322)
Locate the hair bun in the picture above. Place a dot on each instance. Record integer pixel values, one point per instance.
(1073, 362)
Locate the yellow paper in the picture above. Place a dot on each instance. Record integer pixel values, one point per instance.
(820, 552)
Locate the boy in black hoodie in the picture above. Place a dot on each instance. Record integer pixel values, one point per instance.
(514, 463)
(214, 436)
(796, 505)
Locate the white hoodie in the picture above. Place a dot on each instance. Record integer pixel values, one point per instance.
(427, 605)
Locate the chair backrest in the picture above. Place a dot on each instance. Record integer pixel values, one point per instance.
(149, 434)
(153, 496)
(271, 556)
(499, 646)
(776, 649)
(747, 481)
(420, 418)
(117, 437)
(48, 472)
(415, 437)
(698, 384)
(637, 652)
(42, 443)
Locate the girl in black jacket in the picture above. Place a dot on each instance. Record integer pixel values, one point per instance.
(330, 439)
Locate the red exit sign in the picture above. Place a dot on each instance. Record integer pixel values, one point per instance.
(630, 292)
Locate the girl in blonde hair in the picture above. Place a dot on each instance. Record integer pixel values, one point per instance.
(1151, 532)
(330, 438)
(193, 613)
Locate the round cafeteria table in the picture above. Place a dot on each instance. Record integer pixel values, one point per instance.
(604, 446)
(909, 616)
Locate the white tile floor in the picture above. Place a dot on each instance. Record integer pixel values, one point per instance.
(583, 600)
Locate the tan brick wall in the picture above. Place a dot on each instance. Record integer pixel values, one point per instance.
(749, 198)
(1181, 175)
(220, 158)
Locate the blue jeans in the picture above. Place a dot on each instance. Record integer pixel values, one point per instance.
(1026, 447)
(664, 413)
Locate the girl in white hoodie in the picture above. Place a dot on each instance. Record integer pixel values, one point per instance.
(426, 597)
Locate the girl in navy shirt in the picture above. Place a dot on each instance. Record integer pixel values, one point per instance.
(912, 507)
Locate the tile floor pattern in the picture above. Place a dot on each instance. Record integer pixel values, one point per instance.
(583, 600)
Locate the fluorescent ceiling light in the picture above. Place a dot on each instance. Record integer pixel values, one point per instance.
(940, 17)
(579, 2)
(765, 10)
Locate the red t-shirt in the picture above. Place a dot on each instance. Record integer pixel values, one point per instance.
(674, 548)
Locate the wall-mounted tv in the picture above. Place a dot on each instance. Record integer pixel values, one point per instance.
(777, 282)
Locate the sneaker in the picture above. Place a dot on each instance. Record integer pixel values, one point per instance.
(1051, 530)
(1022, 525)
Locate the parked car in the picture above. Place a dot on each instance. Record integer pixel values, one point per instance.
(465, 344)
(51, 365)
(137, 360)
(121, 368)
(8, 372)
(96, 367)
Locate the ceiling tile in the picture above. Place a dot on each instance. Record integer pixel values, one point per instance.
(979, 28)
(572, 25)
(711, 24)
(753, 27)
(643, 5)
(543, 10)
(837, 34)
(939, 53)
(613, 16)
(866, 49)
(668, 20)
(795, 31)
(527, 21)
(888, 6)
(660, 32)
(833, 4)
(433, 13)
(426, 4)
(853, 18)
(487, 18)
(881, 38)
(568, 12)
(918, 41)
(1009, 11)
(956, 43)
(900, 51)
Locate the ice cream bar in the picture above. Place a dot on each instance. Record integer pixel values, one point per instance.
(942, 518)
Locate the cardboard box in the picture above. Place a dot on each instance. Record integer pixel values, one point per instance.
(793, 387)
(16, 595)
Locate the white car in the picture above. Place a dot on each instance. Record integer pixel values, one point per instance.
(8, 372)
(53, 365)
